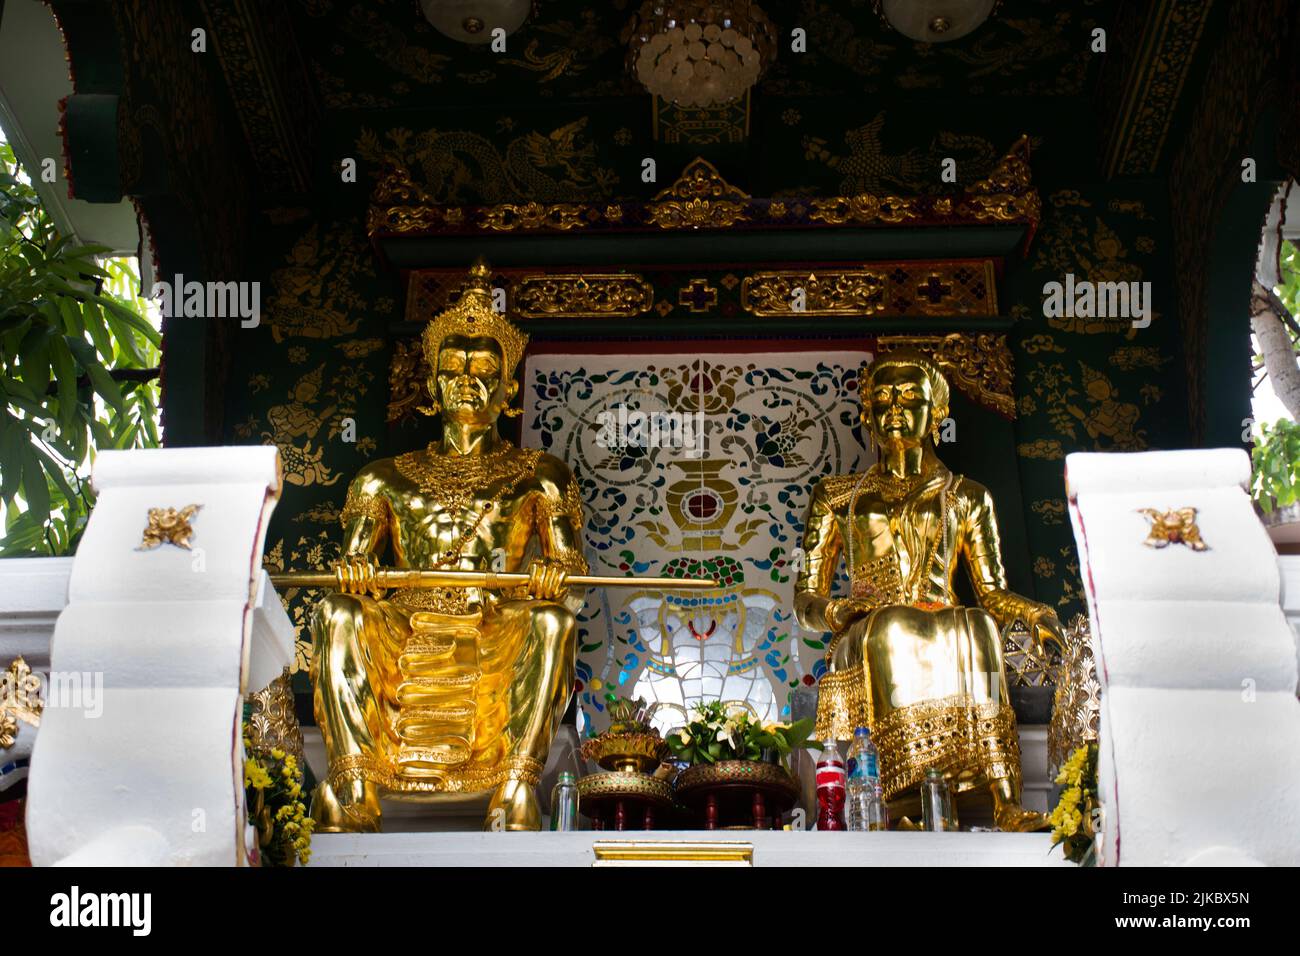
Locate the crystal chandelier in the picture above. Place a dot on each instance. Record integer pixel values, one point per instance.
(699, 54)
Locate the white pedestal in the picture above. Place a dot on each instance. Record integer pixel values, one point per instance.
(767, 848)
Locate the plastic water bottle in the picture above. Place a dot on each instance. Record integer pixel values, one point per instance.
(830, 788)
(863, 776)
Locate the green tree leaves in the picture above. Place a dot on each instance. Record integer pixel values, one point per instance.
(70, 326)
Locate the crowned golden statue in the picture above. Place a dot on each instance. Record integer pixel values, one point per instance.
(923, 673)
(439, 690)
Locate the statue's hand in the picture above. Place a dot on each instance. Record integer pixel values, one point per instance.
(1045, 626)
(356, 575)
(841, 612)
(547, 581)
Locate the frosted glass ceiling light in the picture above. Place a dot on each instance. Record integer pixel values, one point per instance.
(935, 21)
(472, 21)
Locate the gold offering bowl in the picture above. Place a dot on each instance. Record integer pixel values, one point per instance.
(637, 752)
(622, 783)
(743, 772)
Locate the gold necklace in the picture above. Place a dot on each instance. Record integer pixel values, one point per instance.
(454, 482)
(885, 570)
(891, 487)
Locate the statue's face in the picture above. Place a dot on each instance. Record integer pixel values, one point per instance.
(469, 382)
(901, 405)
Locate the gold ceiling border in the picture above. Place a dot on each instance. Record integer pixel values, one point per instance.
(920, 287)
(701, 198)
(980, 363)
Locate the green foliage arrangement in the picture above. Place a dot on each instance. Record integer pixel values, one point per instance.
(77, 361)
(720, 731)
(1275, 477)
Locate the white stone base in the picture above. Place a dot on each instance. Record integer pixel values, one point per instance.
(770, 848)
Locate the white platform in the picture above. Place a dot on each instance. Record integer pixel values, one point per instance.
(770, 848)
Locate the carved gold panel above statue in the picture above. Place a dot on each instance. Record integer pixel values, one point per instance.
(586, 296)
(702, 198)
(961, 287)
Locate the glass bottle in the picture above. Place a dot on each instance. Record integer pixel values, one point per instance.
(936, 803)
(564, 802)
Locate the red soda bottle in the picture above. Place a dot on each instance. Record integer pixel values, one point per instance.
(830, 788)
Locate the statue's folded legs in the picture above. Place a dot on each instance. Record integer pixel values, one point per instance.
(476, 702)
(938, 700)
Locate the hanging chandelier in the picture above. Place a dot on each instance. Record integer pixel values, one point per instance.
(699, 54)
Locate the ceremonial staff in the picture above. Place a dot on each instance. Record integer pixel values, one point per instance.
(385, 578)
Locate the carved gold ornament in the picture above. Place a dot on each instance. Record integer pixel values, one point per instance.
(852, 292)
(1076, 709)
(272, 721)
(593, 296)
(980, 364)
(20, 699)
(864, 209)
(1177, 526)
(169, 526)
(702, 198)
(699, 198)
(944, 287)
(533, 216)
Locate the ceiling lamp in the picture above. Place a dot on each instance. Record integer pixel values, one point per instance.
(699, 54)
(472, 21)
(935, 21)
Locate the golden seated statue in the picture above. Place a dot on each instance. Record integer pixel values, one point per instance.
(451, 690)
(925, 674)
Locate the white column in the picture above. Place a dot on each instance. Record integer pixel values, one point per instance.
(139, 758)
(1200, 726)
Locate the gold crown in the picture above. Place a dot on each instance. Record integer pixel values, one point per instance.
(473, 315)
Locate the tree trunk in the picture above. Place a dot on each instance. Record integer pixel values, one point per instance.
(1269, 320)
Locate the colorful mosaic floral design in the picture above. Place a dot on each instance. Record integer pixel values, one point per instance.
(723, 498)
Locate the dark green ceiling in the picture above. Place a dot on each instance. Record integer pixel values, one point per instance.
(368, 54)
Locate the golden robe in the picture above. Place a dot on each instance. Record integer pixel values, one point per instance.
(925, 674)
